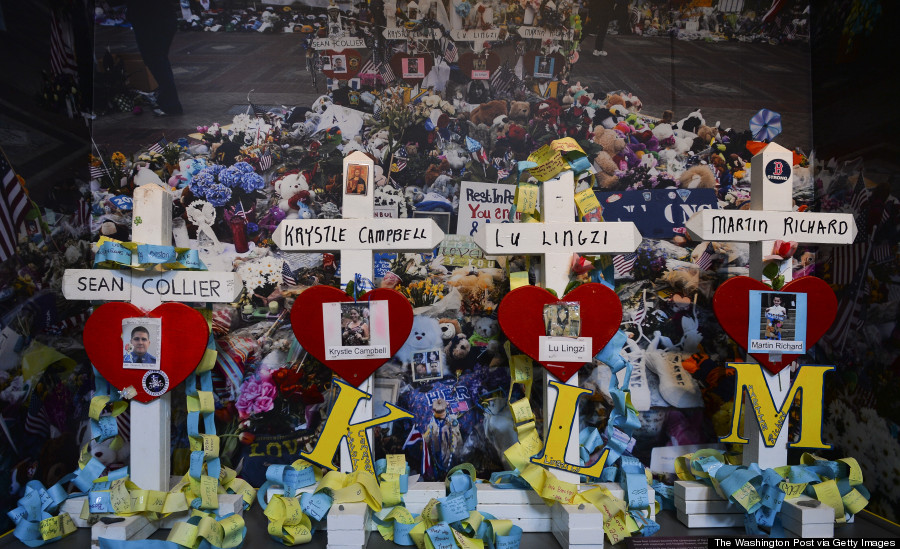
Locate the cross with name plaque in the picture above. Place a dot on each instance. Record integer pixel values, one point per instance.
(556, 239)
(771, 217)
(357, 236)
(146, 289)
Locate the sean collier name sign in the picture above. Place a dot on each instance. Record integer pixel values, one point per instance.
(185, 286)
(358, 234)
(749, 225)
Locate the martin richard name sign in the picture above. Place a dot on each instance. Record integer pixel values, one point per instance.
(749, 225)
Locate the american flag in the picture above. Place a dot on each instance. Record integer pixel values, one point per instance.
(97, 172)
(62, 52)
(159, 146)
(369, 67)
(501, 80)
(846, 261)
(287, 275)
(13, 208)
(639, 315)
(859, 203)
(123, 422)
(458, 406)
(414, 438)
(704, 260)
(376, 111)
(265, 162)
(386, 73)
(400, 160)
(36, 422)
(882, 253)
(258, 111)
(623, 264)
(83, 213)
(451, 52)
(69, 323)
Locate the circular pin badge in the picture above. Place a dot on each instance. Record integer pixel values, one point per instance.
(155, 383)
(778, 171)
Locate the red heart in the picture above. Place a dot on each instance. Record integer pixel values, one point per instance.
(185, 334)
(309, 327)
(521, 316)
(731, 303)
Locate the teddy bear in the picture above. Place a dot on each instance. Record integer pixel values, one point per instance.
(615, 99)
(444, 186)
(487, 112)
(378, 144)
(498, 130)
(609, 140)
(449, 328)
(291, 189)
(698, 177)
(519, 111)
(691, 122)
(425, 336)
(456, 157)
(606, 170)
(458, 353)
(485, 338)
(434, 170)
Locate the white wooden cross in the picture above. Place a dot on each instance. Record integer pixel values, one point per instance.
(151, 224)
(557, 238)
(357, 235)
(771, 217)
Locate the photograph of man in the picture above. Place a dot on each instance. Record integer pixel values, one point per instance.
(140, 347)
(338, 64)
(357, 177)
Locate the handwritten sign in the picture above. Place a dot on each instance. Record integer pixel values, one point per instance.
(461, 35)
(535, 238)
(750, 225)
(481, 203)
(419, 234)
(660, 213)
(337, 43)
(402, 33)
(184, 286)
(546, 34)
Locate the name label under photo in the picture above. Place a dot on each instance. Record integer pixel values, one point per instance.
(565, 349)
(776, 346)
(358, 353)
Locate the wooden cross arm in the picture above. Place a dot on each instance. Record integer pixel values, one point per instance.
(542, 238)
(755, 226)
(311, 235)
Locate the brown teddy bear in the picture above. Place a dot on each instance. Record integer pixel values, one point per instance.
(519, 111)
(609, 140)
(487, 112)
(707, 134)
(606, 170)
(698, 177)
(434, 170)
(615, 99)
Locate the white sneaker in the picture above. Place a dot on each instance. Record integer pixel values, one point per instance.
(599, 53)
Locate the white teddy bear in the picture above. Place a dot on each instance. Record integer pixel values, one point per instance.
(289, 187)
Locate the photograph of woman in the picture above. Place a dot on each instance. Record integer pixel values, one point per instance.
(354, 324)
